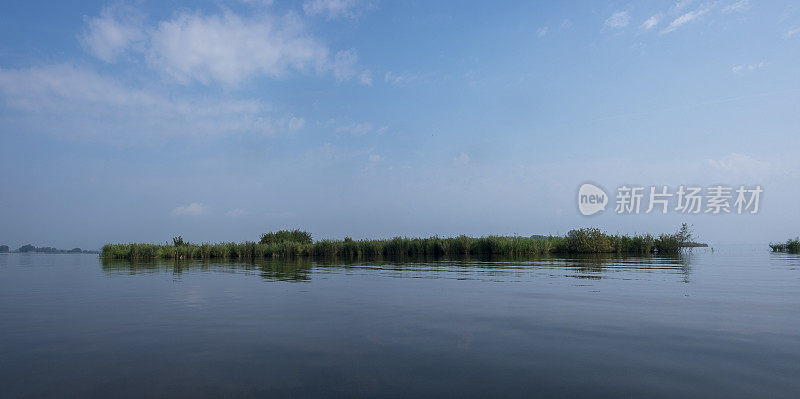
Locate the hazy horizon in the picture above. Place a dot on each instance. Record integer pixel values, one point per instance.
(222, 120)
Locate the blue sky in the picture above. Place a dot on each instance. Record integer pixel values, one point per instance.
(219, 120)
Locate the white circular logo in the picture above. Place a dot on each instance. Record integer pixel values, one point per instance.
(591, 199)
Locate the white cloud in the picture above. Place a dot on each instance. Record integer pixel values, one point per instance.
(112, 33)
(356, 129)
(344, 64)
(541, 31)
(333, 8)
(461, 159)
(193, 209)
(739, 6)
(71, 101)
(684, 19)
(262, 3)
(399, 79)
(230, 49)
(296, 124)
(618, 19)
(740, 164)
(224, 48)
(237, 213)
(365, 77)
(374, 159)
(747, 67)
(45, 88)
(680, 5)
(651, 22)
(791, 32)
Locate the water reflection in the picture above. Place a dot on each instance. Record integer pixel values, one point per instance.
(270, 270)
(785, 260)
(579, 326)
(588, 267)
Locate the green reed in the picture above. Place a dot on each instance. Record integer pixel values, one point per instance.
(289, 244)
(791, 246)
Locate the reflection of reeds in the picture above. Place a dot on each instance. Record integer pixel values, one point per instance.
(791, 245)
(492, 267)
(281, 269)
(585, 240)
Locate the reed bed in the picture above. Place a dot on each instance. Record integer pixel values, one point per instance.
(285, 244)
(791, 246)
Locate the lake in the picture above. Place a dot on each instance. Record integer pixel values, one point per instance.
(722, 323)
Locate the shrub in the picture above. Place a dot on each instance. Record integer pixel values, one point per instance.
(280, 236)
(668, 243)
(586, 240)
(791, 246)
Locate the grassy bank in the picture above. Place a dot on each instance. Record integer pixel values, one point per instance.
(791, 245)
(299, 244)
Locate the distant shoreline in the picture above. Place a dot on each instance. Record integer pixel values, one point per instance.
(30, 248)
(54, 253)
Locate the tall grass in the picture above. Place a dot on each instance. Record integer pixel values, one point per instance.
(791, 245)
(290, 244)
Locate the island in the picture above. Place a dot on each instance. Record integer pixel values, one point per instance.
(298, 243)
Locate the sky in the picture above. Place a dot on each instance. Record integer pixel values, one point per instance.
(222, 120)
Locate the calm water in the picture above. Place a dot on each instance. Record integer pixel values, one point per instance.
(723, 324)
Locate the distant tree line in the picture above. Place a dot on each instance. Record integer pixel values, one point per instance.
(30, 248)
